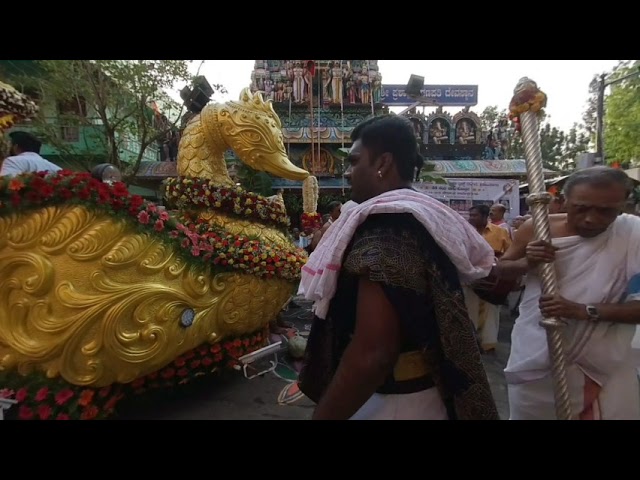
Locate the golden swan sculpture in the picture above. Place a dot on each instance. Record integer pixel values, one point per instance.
(91, 299)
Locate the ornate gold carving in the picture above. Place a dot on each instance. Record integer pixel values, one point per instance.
(84, 297)
(248, 228)
(249, 126)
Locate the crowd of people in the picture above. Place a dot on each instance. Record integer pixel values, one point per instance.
(403, 307)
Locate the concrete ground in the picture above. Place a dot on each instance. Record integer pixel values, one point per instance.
(232, 397)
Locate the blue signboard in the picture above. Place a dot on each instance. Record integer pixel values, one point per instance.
(445, 95)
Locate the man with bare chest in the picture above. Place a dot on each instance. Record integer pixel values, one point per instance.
(596, 255)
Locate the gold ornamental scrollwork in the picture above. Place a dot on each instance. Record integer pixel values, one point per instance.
(84, 297)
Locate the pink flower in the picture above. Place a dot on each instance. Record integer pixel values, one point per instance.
(143, 217)
(164, 216)
(44, 412)
(174, 234)
(42, 394)
(151, 208)
(195, 251)
(159, 226)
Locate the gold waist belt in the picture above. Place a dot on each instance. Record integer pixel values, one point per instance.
(411, 365)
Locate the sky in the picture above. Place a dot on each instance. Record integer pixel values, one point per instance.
(566, 82)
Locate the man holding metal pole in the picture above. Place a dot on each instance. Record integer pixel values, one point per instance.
(596, 253)
(571, 350)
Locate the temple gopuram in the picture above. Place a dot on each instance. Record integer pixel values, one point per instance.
(319, 102)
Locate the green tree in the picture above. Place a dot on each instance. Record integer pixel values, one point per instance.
(112, 100)
(622, 116)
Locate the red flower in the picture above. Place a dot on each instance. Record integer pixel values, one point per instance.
(168, 373)
(25, 413)
(63, 396)
(63, 416)
(159, 226)
(42, 394)
(195, 364)
(216, 348)
(22, 395)
(207, 361)
(111, 403)
(179, 362)
(44, 412)
(183, 372)
(218, 357)
(89, 413)
(104, 391)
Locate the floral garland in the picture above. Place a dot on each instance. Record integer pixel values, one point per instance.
(14, 106)
(206, 245)
(188, 192)
(42, 398)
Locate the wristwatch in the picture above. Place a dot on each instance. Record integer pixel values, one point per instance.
(594, 315)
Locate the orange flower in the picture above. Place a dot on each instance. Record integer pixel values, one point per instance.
(85, 398)
(15, 185)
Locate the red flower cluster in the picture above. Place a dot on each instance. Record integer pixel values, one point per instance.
(42, 398)
(310, 222)
(206, 245)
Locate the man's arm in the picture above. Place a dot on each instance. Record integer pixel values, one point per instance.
(559, 307)
(513, 263)
(369, 358)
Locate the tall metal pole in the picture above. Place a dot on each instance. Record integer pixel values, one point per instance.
(527, 102)
(600, 120)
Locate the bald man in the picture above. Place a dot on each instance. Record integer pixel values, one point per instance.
(496, 214)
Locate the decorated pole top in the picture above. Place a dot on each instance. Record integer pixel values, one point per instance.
(527, 97)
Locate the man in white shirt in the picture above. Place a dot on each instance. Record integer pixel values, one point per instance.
(25, 156)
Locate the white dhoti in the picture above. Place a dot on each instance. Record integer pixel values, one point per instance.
(424, 405)
(485, 317)
(618, 399)
(600, 358)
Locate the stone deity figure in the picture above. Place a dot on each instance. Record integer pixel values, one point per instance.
(279, 96)
(365, 87)
(288, 91)
(326, 85)
(289, 68)
(377, 89)
(298, 83)
(336, 83)
(465, 132)
(268, 89)
(438, 133)
(352, 91)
